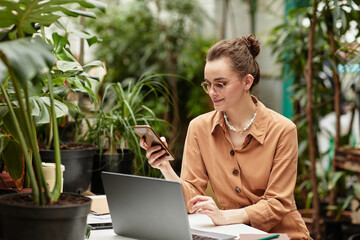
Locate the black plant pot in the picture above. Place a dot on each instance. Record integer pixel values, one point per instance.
(119, 163)
(78, 164)
(56, 222)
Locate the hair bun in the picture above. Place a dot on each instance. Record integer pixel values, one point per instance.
(252, 44)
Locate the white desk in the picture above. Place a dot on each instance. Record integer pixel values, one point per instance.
(197, 221)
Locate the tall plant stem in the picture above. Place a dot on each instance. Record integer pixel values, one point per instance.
(337, 100)
(310, 119)
(337, 84)
(29, 129)
(35, 189)
(34, 145)
(57, 189)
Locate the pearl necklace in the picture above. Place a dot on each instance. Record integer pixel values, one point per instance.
(241, 130)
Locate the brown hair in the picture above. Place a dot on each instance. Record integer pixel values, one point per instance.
(242, 52)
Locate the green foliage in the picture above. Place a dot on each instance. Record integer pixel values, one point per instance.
(69, 77)
(120, 107)
(191, 64)
(160, 37)
(328, 180)
(289, 41)
(141, 39)
(27, 71)
(25, 16)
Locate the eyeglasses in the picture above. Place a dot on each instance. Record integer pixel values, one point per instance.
(218, 86)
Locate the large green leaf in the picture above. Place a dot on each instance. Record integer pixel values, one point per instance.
(43, 104)
(59, 42)
(27, 57)
(25, 13)
(44, 114)
(3, 72)
(4, 140)
(8, 14)
(84, 3)
(93, 64)
(60, 108)
(67, 66)
(3, 111)
(14, 161)
(8, 126)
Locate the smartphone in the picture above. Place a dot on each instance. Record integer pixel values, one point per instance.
(152, 139)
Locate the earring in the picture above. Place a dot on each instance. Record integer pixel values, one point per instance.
(247, 91)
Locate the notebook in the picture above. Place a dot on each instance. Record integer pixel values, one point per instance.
(149, 208)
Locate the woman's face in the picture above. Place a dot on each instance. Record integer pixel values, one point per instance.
(229, 96)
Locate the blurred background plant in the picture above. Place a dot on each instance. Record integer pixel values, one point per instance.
(334, 44)
(171, 38)
(119, 107)
(158, 37)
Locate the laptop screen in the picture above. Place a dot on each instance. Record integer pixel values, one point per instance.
(146, 208)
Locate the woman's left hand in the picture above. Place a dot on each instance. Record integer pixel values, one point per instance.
(206, 205)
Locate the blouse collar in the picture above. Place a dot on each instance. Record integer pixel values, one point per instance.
(259, 126)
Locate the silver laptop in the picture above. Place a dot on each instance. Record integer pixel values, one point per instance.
(149, 208)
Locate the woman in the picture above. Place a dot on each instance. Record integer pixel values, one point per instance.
(247, 151)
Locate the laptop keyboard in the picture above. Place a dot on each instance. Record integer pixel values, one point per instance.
(204, 235)
(199, 237)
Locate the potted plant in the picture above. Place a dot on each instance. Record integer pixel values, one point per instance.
(70, 77)
(73, 78)
(28, 63)
(120, 107)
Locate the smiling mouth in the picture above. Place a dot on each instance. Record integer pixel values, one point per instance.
(217, 101)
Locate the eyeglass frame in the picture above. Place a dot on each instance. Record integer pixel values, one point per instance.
(217, 90)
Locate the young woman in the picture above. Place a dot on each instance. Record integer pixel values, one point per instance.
(248, 152)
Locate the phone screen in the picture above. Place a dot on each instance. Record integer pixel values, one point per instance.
(151, 138)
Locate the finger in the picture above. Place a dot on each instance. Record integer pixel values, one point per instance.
(159, 162)
(156, 155)
(152, 150)
(143, 144)
(201, 206)
(198, 198)
(208, 212)
(204, 205)
(163, 139)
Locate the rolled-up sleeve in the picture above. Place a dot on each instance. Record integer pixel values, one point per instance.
(278, 197)
(193, 173)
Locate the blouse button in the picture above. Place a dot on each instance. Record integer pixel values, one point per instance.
(235, 172)
(232, 152)
(237, 189)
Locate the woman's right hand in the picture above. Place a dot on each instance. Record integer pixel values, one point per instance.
(156, 155)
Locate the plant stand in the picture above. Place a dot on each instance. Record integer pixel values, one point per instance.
(348, 158)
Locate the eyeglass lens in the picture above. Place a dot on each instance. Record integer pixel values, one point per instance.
(217, 86)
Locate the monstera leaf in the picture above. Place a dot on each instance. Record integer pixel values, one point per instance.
(42, 12)
(26, 57)
(28, 93)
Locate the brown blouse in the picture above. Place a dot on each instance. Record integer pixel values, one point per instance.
(259, 176)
